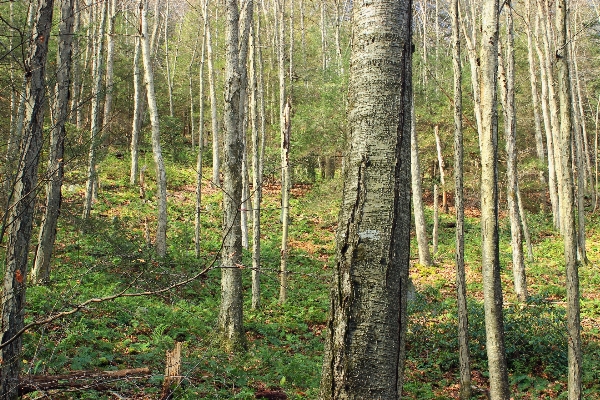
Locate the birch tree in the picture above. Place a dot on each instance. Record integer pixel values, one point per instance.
(22, 209)
(368, 296)
(161, 175)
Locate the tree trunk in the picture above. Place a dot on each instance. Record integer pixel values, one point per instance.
(438, 146)
(95, 128)
(461, 283)
(161, 176)
(110, 56)
(368, 298)
(213, 109)
(285, 197)
(507, 79)
(567, 204)
(231, 312)
(197, 222)
(47, 235)
(138, 111)
(535, 97)
(492, 289)
(21, 213)
(436, 218)
(417, 197)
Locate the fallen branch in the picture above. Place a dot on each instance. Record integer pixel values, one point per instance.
(97, 380)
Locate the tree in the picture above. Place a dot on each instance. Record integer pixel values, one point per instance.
(231, 311)
(22, 209)
(567, 203)
(161, 176)
(47, 235)
(366, 327)
(461, 284)
(492, 288)
(417, 197)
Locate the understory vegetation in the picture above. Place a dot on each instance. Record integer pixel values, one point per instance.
(110, 254)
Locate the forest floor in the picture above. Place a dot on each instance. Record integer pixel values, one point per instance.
(112, 253)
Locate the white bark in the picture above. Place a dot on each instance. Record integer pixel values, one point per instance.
(417, 197)
(161, 176)
(137, 111)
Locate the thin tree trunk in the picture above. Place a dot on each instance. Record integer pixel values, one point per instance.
(216, 180)
(197, 221)
(492, 289)
(95, 128)
(161, 176)
(568, 204)
(285, 197)
(138, 116)
(438, 146)
(507, 79)
(461, 284)
(21, 213)
(364, 355)
(323, 38)
(231, 311)
(552, 174)
(436, 218)
(535, 97)
(417, 197)
(47, 235)
(76, 81)
(110, 56)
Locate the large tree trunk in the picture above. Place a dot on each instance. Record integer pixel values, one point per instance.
(364, 356)
(21, 213)
(461, 283)
(417, 197)
(95, 128)
(161, 176)
(47, 235)
(492, 288)
(567, 203)
(231, 312)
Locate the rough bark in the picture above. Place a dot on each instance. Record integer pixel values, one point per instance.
(366, 327)
(161, 176)
(492, 289)
(47, 234)
(461, 283)
(568, 204)
(417, 197)
(21, 213)
(231, 311)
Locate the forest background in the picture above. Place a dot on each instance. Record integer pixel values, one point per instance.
(114, 299)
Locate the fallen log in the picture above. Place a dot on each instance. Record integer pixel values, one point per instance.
(96, 380)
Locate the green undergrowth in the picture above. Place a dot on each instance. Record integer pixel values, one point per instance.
(110, 254)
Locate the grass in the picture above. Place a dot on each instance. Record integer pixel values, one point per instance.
(110, 253)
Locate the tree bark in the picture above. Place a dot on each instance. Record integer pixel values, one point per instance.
(21, 213)
(417, 197)
(492, 289)
(461, 283)
(47, 235)
(110, 57)
(161, 176)
(510, 133)
(216, 180)
(95, 128)
(364, 356)
(231, 312)
(438, 146)
(138, 111)
(567, 204)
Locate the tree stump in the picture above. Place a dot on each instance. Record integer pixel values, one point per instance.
(172, 372)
